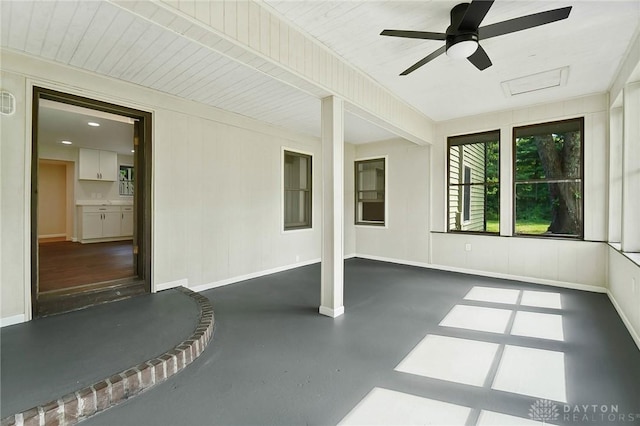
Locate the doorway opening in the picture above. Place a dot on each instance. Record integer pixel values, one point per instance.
(90, 202)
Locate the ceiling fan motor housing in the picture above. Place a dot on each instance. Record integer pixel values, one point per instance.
(455, 34)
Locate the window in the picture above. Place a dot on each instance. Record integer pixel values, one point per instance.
(370, 192)
(297, 190)
(548, 179)
(473, 181)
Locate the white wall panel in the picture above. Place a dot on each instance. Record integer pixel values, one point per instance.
(624, 286)
(216, 185)
(13, 223)
(573, 262)
(406, 235)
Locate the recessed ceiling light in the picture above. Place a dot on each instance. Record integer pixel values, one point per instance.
(133, 150)
(93, 124)
(66, 142)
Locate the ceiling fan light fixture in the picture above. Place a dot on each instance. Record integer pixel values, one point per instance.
(461, 46)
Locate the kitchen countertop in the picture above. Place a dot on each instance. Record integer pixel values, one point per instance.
(104, 202)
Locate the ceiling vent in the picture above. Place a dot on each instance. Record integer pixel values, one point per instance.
(7, 103)
(536, 82)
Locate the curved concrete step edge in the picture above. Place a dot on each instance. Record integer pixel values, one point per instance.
(90, 400)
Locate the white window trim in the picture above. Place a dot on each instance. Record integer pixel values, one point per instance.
(386, 192)
(313, 186)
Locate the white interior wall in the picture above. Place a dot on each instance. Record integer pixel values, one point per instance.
(14, 225)
(624, 290)
(349, 201)
(406, 234)
(537, 258)
(214, 221)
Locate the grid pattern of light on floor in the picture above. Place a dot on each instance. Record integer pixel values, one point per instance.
(448, 358)
(386, 407)
(521, 370)
(477, 318)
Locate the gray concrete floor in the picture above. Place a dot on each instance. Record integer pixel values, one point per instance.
(46, 358)
(275, 360)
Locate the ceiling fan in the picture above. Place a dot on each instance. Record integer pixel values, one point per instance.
(464, 34)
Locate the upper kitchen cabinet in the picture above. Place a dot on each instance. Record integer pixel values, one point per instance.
(98, 165)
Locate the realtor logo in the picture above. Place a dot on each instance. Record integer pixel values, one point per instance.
(544, 410)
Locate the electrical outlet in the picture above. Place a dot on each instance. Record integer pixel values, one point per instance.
(634, 287)
(467, 247)
(297, 258)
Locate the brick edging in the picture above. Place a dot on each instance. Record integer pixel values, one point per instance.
(84, 403)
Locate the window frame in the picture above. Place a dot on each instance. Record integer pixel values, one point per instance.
(385, 223)
(299, 153)
(450, 143)
(514, 181)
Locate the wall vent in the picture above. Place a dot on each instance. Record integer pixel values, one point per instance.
(7, 103)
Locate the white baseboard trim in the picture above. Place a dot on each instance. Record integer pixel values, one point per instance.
(74, 239)
(333, 313)
(15, 319)
(171, 284)
(258, 274)
(634, 334)
(553, 283)
(52, 236)
(350, 256)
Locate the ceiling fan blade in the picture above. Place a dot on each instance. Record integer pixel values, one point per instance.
(414, 34)
(424, 60)
(474, 15)
(523, 23)
(480, 59)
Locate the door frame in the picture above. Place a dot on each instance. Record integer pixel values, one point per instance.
(142, 184)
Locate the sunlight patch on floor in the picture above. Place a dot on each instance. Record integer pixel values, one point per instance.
(534, 372)
(387, 407)
(490, 418)
(477, 318)
(541, 299)
(493, 295)
(452, 359)
(534, 324)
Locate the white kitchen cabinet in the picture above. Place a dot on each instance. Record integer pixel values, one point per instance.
(106, 223)
(127, 221)
(94, 164)
(91, 225)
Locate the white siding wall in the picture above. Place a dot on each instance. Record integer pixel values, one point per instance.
(216, 185)
(406, 235)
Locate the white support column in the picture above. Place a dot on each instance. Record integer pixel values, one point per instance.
(631, 169)
(332, 281)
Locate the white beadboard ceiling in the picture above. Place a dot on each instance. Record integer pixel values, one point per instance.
(104, 38)
(591, 42)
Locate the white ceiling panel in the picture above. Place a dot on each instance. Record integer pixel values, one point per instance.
(591, 42)
(101, 37)
(108, 40)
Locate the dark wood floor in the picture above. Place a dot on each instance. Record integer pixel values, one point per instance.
(64, 265)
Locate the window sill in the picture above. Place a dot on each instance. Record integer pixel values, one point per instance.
(634, 257)
(295, 230)
(527, 237)
(371, 225)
